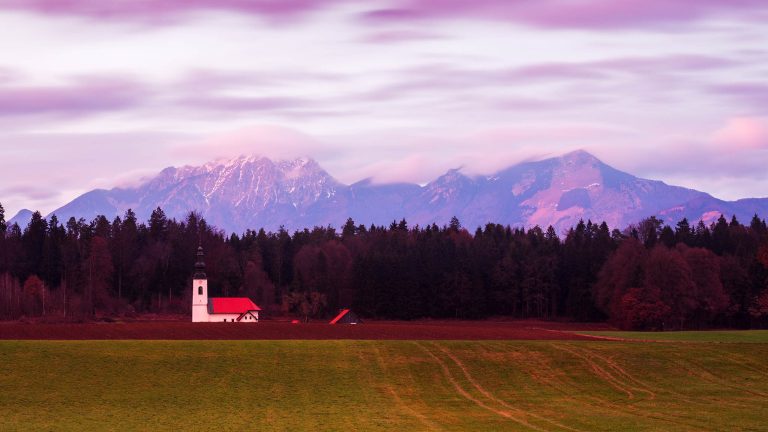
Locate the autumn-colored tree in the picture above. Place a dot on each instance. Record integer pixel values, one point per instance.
(759, 307)
(649, 277)
(35, 294)
(305, 304)
(623, 271)
(642, 308)
(256, 283)
(762, 255)
(709, 294)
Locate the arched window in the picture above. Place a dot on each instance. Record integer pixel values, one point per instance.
(200, 290)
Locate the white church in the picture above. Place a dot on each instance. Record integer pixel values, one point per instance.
(218, 309)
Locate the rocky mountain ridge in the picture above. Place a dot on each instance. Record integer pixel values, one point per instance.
(251, 192)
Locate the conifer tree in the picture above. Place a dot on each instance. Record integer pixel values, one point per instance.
(3, 225)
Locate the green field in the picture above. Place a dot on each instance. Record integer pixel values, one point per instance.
(382, 385)
(740, 336)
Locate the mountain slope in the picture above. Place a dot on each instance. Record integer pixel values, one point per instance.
(254, 192)
(21, 218)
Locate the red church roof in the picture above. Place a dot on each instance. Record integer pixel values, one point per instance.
(231, 305)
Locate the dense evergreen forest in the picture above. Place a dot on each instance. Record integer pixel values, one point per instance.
(648, 276)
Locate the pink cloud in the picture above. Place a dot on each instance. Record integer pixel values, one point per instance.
(544, 71)
(449, 77)
(8, 75)
(398, 36)
(726, 161)
(197, 80)
(669, 63)
(411, 168)
(743, 133)
(81, 97)
(69, 164)
(590, 14)
(29, 192)
(222, 103)
(160, 11)
(754, 93)
(264, 140)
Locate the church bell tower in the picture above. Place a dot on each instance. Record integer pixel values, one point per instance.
(200, 290)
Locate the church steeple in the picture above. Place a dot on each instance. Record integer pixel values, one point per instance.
(200, 290)
(200, 264)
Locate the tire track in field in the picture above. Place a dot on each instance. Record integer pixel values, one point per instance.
(650, 389)
(639, 386)
(599, 402)
(735, 359)
(744, 362)
(424, 420)
(555, 379)
(600, 372)
(493, 398)
(709, 376)
(699, 373)
(466, 395)
(678, 395)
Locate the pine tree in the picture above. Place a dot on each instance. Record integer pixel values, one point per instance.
(33, 241)
(667, 237)
(454, 225)
(348, 230)
(158, 224)
(757, 225)
(683, 233)
(721, 236)
(3, 248)
(3, 225)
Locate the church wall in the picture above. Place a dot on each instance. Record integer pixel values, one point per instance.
(223, 317)
(200, 300)
(200, 313)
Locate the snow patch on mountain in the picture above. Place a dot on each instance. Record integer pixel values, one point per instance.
(251, 191)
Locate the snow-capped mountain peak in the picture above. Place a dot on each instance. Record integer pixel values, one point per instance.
(252, 191)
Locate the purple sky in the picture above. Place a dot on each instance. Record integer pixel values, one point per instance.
(98, 93)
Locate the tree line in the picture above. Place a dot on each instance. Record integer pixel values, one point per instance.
(647, 276)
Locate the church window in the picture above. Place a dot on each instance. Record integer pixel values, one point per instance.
(200, 290)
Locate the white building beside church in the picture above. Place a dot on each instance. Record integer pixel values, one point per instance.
(218, 309)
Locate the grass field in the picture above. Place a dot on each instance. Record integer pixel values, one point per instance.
(382, 385)
(739, 336)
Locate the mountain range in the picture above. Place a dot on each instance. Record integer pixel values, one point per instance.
(255, 192)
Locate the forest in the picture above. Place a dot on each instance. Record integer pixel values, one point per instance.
(650, 275)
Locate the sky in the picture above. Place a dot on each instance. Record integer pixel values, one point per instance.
(97, 94)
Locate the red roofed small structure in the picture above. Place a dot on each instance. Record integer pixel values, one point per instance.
(218, 309)
(236, 309)
(346, 316)
(229, 305)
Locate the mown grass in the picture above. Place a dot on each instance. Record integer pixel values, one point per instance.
(735, 336)
(382, 385)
